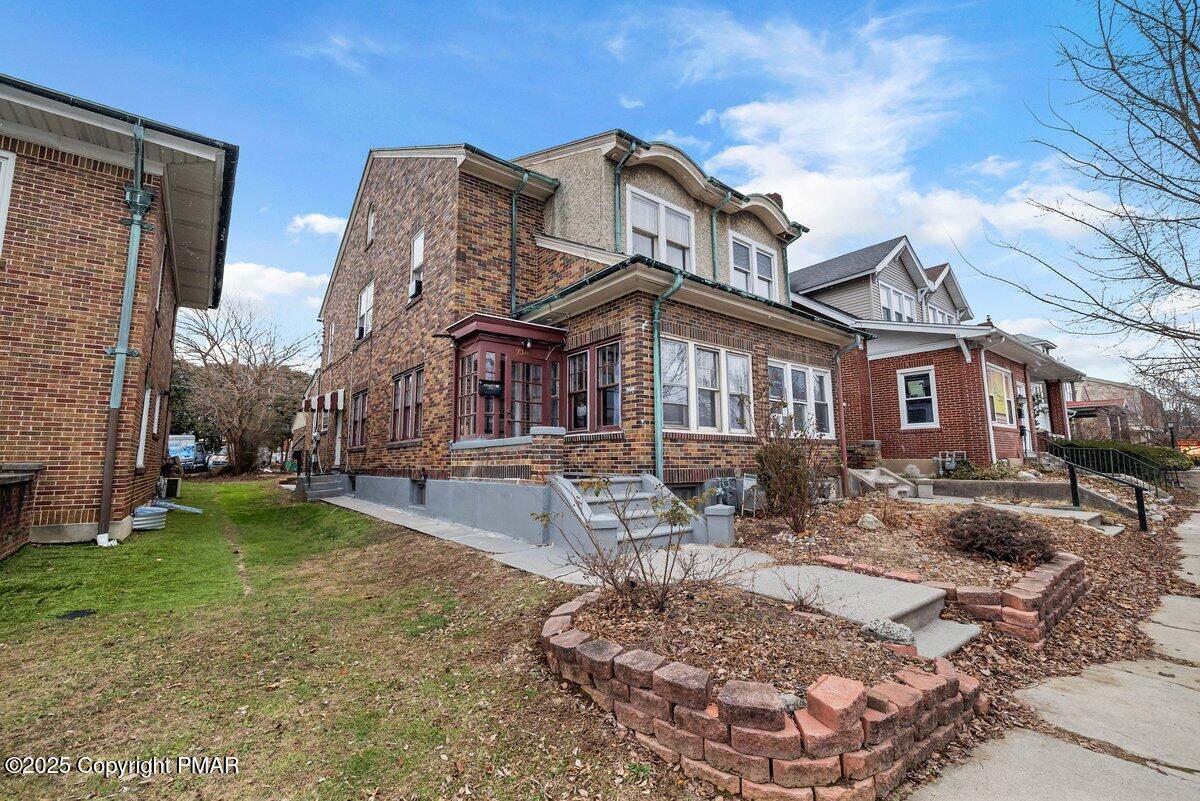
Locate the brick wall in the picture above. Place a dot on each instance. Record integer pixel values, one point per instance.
(61, 278)
(1057, 409)
(16, 511)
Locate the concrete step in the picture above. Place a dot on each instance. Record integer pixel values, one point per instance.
(628, 502)
(920, 613)
(662, 538)
(326, 492)
(943, 637)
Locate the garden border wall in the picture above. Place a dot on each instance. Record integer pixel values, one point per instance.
(848, 743)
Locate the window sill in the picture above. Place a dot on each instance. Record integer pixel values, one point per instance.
(403, 443)
(365, 339)
(595, 436)
(716, 436)
(1005, 425)
(139, 471)
(414, 300)
(921, 427)
(357, 449)
(499, 442)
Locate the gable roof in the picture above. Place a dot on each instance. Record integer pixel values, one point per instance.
(842, 268)
(936, 272)
(1028, 339)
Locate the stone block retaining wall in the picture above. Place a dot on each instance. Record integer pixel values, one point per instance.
(1027, 610)
(849, 743)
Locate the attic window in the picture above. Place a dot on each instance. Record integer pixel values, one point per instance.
(659, 230)
(752, 267)
(941, 316)
(896, 305)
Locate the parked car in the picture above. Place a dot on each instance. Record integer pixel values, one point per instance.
(220, 458)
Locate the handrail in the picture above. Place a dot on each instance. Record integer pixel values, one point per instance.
(1139, 492)
(1109, 461)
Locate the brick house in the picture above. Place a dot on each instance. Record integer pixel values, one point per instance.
(1102, 409)
(929, 381)
(69, 217)
(496, 320)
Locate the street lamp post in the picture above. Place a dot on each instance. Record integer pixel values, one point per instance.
(1171, 430)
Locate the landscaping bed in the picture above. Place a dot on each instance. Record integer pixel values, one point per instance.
(739, 635)
(911, 540)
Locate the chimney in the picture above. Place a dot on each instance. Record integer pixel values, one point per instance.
(778, 198)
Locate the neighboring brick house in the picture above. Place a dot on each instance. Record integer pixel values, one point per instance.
(1102, 409)
(65, 165)
(928, 381)
(494, 320)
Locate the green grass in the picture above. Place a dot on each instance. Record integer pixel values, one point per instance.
(363, 658)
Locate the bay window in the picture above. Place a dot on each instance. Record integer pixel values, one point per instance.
(752, 267)
(659, 230)
(896, 305)
(1001, 406)
(705, 389)
(918, 397)
(801, 397)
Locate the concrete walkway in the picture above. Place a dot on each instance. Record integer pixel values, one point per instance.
(1149, 710)
(840, 593)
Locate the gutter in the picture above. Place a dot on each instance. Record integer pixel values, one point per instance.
(617, 227)
(658, 403)
(713, 231)
(227, 177)
(841, 421)
(512, 247)
(138, 199)
(632, 261)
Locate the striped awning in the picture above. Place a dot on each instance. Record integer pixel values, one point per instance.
(329, 402)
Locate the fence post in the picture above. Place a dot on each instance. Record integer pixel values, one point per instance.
(1141, 505)
(1074, 484)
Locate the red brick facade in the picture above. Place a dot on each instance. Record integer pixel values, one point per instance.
(61, 276)
(873, 405)
(466, 222)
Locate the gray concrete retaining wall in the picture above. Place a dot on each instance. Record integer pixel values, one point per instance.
(1054, 491)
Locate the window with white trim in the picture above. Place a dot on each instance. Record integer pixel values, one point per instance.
(1002, 408)
(659, 230)
(370, 224)
(706, 389)
(918, 397)
(896, 305)
(157, 411)
(141, 448)
(801, 397)
(416, 270)
(751, 266)
(940, 316)
(8, 163)
(329, 343)
(366, 309)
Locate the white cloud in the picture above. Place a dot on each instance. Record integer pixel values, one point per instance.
(261, 283)
(994, 166)
(630, 102)
(708, 117)
(685, 141)
(349, 53)
(323, 224)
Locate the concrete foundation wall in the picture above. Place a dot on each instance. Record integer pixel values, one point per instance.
(1027, 491)
(499, 506)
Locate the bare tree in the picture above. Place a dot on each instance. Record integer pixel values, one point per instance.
(242, 368)
(1139, 273)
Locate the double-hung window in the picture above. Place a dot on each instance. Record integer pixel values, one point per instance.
(370, 225)
(1001, 406)
(659, 230)
(358, 420)
(918, 397)
(8, 161)
(407, 390)
(366, 310)
(329, 344)
(577, 391)
(752, 267)
(801, 397)
(705, 388)
(608, 384)
(416, 270)
(941, 316)
(141, 448)
(896, 305)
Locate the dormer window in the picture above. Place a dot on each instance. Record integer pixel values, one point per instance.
(941, 316)
(896, 305)
(659, 230)
(752, 267)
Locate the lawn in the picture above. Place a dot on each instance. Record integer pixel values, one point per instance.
(337, 657)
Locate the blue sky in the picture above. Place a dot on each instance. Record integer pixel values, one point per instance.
(871, 120)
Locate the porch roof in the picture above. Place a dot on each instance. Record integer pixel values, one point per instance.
(640, 273)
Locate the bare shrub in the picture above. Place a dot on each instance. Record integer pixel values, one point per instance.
(794, 467)
(997, 534)
(639, 573)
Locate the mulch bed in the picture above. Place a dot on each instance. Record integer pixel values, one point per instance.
(912, 540)
(738, 635)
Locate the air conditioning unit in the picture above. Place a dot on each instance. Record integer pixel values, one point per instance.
(174, 484)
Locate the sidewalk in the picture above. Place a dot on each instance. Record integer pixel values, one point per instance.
(1147, 713)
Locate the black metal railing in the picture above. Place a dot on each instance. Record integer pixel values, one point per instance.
(1139, 492)
(1113, 463)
